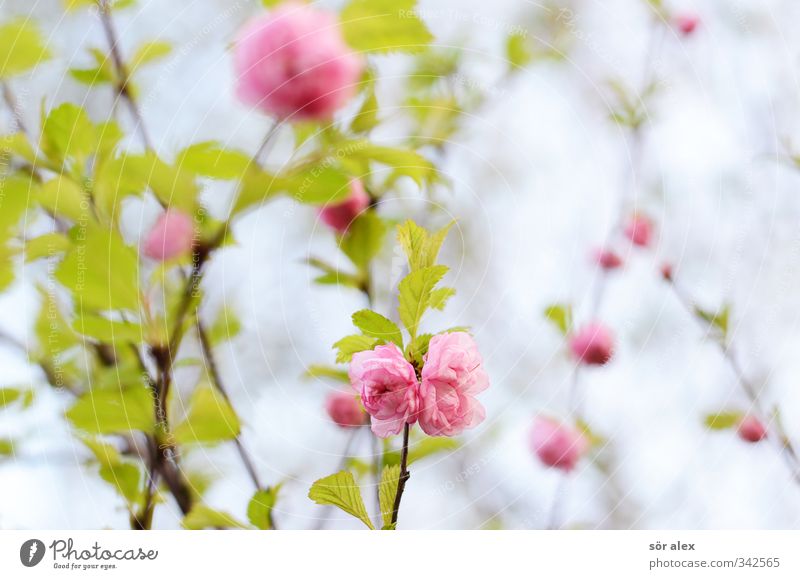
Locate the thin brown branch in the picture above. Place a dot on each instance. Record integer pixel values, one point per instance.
(404, 474)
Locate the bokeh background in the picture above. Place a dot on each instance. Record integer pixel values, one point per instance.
(536, 177)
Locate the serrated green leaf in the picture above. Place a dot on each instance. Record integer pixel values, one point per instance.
(349, 345)
(375, 325)
(259, 510)
(114, 411)
(210, 420)
(421, 248)
(418, 347)
(22, 47)
(440, 296)
(560, 315)
(415, 295)
(723, 420)
(341, 491)
(364, 239)
(387, 491)
(68, 133)
(204, 517)
(384, 26)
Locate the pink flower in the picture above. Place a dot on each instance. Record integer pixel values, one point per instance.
(172, 236)
(592, 344)
(639, 230)
(345, 410)
(388, 387)
(687, 23)
(293, 62)
(607, 259)
(451, 377)
(751, 429)
(557, 445)
(340, 215)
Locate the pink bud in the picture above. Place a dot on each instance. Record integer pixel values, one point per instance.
(341, 215)
(293, 62)
(751, 429)
(607, 259)
(556, 444)
(667, 271)
(592, 344)
(345, 410)
(172, 236)
(687, 23)
(639, 230)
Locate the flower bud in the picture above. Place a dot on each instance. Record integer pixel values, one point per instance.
(639, 230)
(556, 444)
(592, 345)
(687, 23)
(607, 259)
(751, 429)
(172, 236)
(339, 216)
(345, 410)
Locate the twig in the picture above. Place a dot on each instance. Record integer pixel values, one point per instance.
(404, 474)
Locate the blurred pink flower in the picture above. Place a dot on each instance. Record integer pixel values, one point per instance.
(607, 259)
(293, 62)
(687, 23)
(172, 236)
(556, 444)
(339, 216)
(667, 271)
(388, 386)
(451, 377)
(345, 410)
(593, 344)
(751, 429)
(639, 230)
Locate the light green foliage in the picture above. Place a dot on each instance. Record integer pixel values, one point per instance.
(423, 448)
(723, 420)
(14, 198)
(204, 517)
(366, 118)
(68, 133)
(320, 371)
(517, 51)
(22, 48)
(364, 239)
(384, 26)
(125, 476)
(107, 331)
(225, 327)
(349, 345)
(102, 72)
(440, 297)
(375, 325)
(149, 52)
(390, 477)
(332, 276)
(340, 490)
(259, 510)
(418, 347)
(114, 410)
(64, 197)
(718, 320)
(421, 248)
(560, 315)
(210, 419)
(210, 159)
(415, 295)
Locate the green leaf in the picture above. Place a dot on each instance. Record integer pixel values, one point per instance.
(421, 248)
(113, 411)
(320, 371)
(340, 490)
(6, 447)
(68, 133)
(366, 118)
(15, 193)
(418, 347)
(384, 26)
(318, 184)
(350, 345)
(719, 319)
(723, 420)
(210, 419)
(203, 517)
(439, 297)
(560, 315)
(101, 271)
(415, 295)
(45, 246)
(517, 51)
(225, 328)
(375, 325)
(149, 52)
(9, 396)
(18, 144)
(259, 510)
(404, 162)
(63, 197)
(108, 331)
(22, 47)
(364, 239)
(387, 491)
(210, 159)
(71, 5)
(54, 334)
(423, 448)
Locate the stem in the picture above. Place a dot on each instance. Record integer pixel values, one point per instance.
(404, 474)
(216, 379)
(780, 438)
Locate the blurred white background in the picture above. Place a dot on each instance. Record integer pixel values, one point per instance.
(536, 176)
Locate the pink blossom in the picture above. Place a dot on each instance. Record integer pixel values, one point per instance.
(687, 23)
(593, 344)
(607, 259)
(172, 236)
(639, 230)
(388, 386)
(293, 62)
(556, 444)
(751, 429)
(452, 374)
(344, 409)
(340, 215)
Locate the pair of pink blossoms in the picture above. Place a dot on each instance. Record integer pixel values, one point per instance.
(442, 401)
